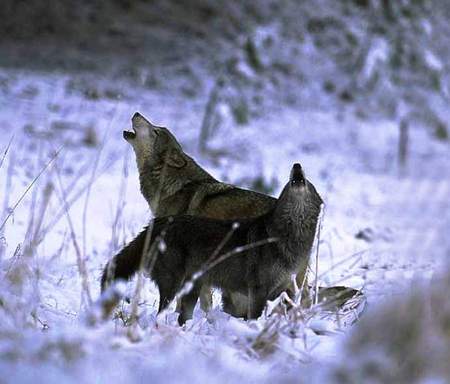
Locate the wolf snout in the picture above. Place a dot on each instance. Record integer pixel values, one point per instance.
(140, 122)
(297, 175)
(136, 115)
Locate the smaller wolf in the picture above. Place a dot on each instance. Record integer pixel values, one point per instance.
(282, 241)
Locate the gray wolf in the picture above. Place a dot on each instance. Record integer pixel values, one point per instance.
(285, 236)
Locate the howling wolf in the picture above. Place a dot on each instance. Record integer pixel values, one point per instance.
(263, 252)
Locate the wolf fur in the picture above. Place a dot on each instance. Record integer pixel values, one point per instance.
(260, 273)
(174, 184)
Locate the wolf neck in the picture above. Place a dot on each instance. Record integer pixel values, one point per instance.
(294, 223)
(160, 182)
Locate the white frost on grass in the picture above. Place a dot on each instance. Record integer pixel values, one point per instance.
(42, 330)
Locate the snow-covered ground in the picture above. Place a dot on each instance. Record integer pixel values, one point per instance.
(384, 228)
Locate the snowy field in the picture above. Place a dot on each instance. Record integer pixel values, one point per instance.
(87, 202)
(70, 199)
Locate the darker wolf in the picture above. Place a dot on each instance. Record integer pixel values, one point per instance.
(174, 184)
(265, 251)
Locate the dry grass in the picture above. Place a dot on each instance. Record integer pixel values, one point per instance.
(406, 340)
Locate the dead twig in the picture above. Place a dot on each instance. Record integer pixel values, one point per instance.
(80, 259)
(6, 151)
(30, 186)
(316, 282)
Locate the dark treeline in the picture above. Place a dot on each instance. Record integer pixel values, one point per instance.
(391, 57)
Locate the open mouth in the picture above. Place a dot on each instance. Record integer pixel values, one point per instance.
(297, 175)
(129, 135)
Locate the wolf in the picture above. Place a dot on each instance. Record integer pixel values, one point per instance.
(174, 184)
(263, 252)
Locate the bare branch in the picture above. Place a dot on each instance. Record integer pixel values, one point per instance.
(30, 186)
(6, 151)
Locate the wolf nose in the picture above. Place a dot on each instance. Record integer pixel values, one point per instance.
(297, 174)
(139, 122)
(137, 115)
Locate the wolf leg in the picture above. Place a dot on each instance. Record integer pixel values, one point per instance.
(187, 304)
(168, 285)
(235, 303)
(205, 300)
(256, 302)
(178, 308)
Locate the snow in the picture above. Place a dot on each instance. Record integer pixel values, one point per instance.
(45, 331)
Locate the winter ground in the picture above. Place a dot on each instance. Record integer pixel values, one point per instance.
(87, 202)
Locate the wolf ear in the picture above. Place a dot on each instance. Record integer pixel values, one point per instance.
(175, 159)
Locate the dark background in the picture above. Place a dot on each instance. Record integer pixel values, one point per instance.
(388, 58)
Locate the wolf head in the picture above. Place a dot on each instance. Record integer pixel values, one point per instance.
(295, 217)
(299, 196)
(298, 188)
(154, 145)
(164, 168)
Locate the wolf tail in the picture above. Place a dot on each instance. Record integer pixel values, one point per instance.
(126, 263)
